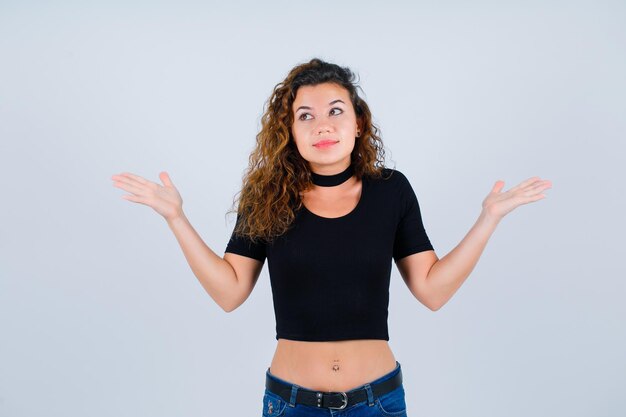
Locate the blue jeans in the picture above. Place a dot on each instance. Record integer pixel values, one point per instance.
(391, 404)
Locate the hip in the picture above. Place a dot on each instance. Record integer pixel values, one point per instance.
(381, 397)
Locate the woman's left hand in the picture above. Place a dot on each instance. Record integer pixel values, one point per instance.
(497, 204)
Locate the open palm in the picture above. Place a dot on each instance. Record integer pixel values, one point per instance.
(164, 199)
(499, 203)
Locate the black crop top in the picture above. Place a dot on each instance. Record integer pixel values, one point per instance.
(330, 276)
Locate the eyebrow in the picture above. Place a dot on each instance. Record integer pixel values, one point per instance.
(330, 104)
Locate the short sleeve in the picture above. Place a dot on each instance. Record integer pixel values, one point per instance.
(410, 236)
(242, 245)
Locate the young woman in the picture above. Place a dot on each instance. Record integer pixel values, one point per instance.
(319, 204)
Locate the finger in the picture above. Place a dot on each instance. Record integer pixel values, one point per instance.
(542, 185)
(137, 178)
(525, 183)
(530, 196)
(165, 178)
(131, 197)
(130, 179)
(530, 193)
(535, 188)
(497, 186)
(536, 198)
(131, 188)
(134, 180)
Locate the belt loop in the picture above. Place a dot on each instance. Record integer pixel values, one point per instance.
(370, 395)
(294, 391)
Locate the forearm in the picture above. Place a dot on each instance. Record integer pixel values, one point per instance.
(449, 273)
(215, 274)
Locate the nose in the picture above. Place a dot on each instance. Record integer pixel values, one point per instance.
(324, 127)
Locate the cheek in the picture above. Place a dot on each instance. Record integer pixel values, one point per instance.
(295, 134)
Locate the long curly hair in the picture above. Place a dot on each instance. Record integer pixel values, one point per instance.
(277, 174)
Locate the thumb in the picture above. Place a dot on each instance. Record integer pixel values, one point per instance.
(497, 186)
(165, 178)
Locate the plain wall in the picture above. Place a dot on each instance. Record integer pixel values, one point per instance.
(100, 315)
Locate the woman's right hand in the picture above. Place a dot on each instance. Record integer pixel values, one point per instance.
(164, 199)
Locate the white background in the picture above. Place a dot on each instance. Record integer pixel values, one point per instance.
(100, 315)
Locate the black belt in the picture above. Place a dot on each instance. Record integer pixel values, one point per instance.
(335, 400)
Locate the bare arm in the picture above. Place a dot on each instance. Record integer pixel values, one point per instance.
(434, 281)
(229, 280)
(439, 279)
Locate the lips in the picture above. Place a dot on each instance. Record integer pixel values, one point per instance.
(325, 142)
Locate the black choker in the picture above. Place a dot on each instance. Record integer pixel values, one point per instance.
(332, 180)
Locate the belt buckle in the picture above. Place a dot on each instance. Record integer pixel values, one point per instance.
(344, 400)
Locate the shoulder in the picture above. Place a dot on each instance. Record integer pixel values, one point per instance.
(391, 179)
(391, 188)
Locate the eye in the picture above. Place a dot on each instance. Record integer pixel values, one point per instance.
(336, 108)
(302, 115)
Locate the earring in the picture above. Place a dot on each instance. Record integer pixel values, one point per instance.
(358, 133)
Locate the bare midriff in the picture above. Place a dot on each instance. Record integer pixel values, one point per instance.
(332, 366)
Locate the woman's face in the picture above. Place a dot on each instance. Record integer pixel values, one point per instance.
(324, 127)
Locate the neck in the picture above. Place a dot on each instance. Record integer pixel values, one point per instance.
(334, 179)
